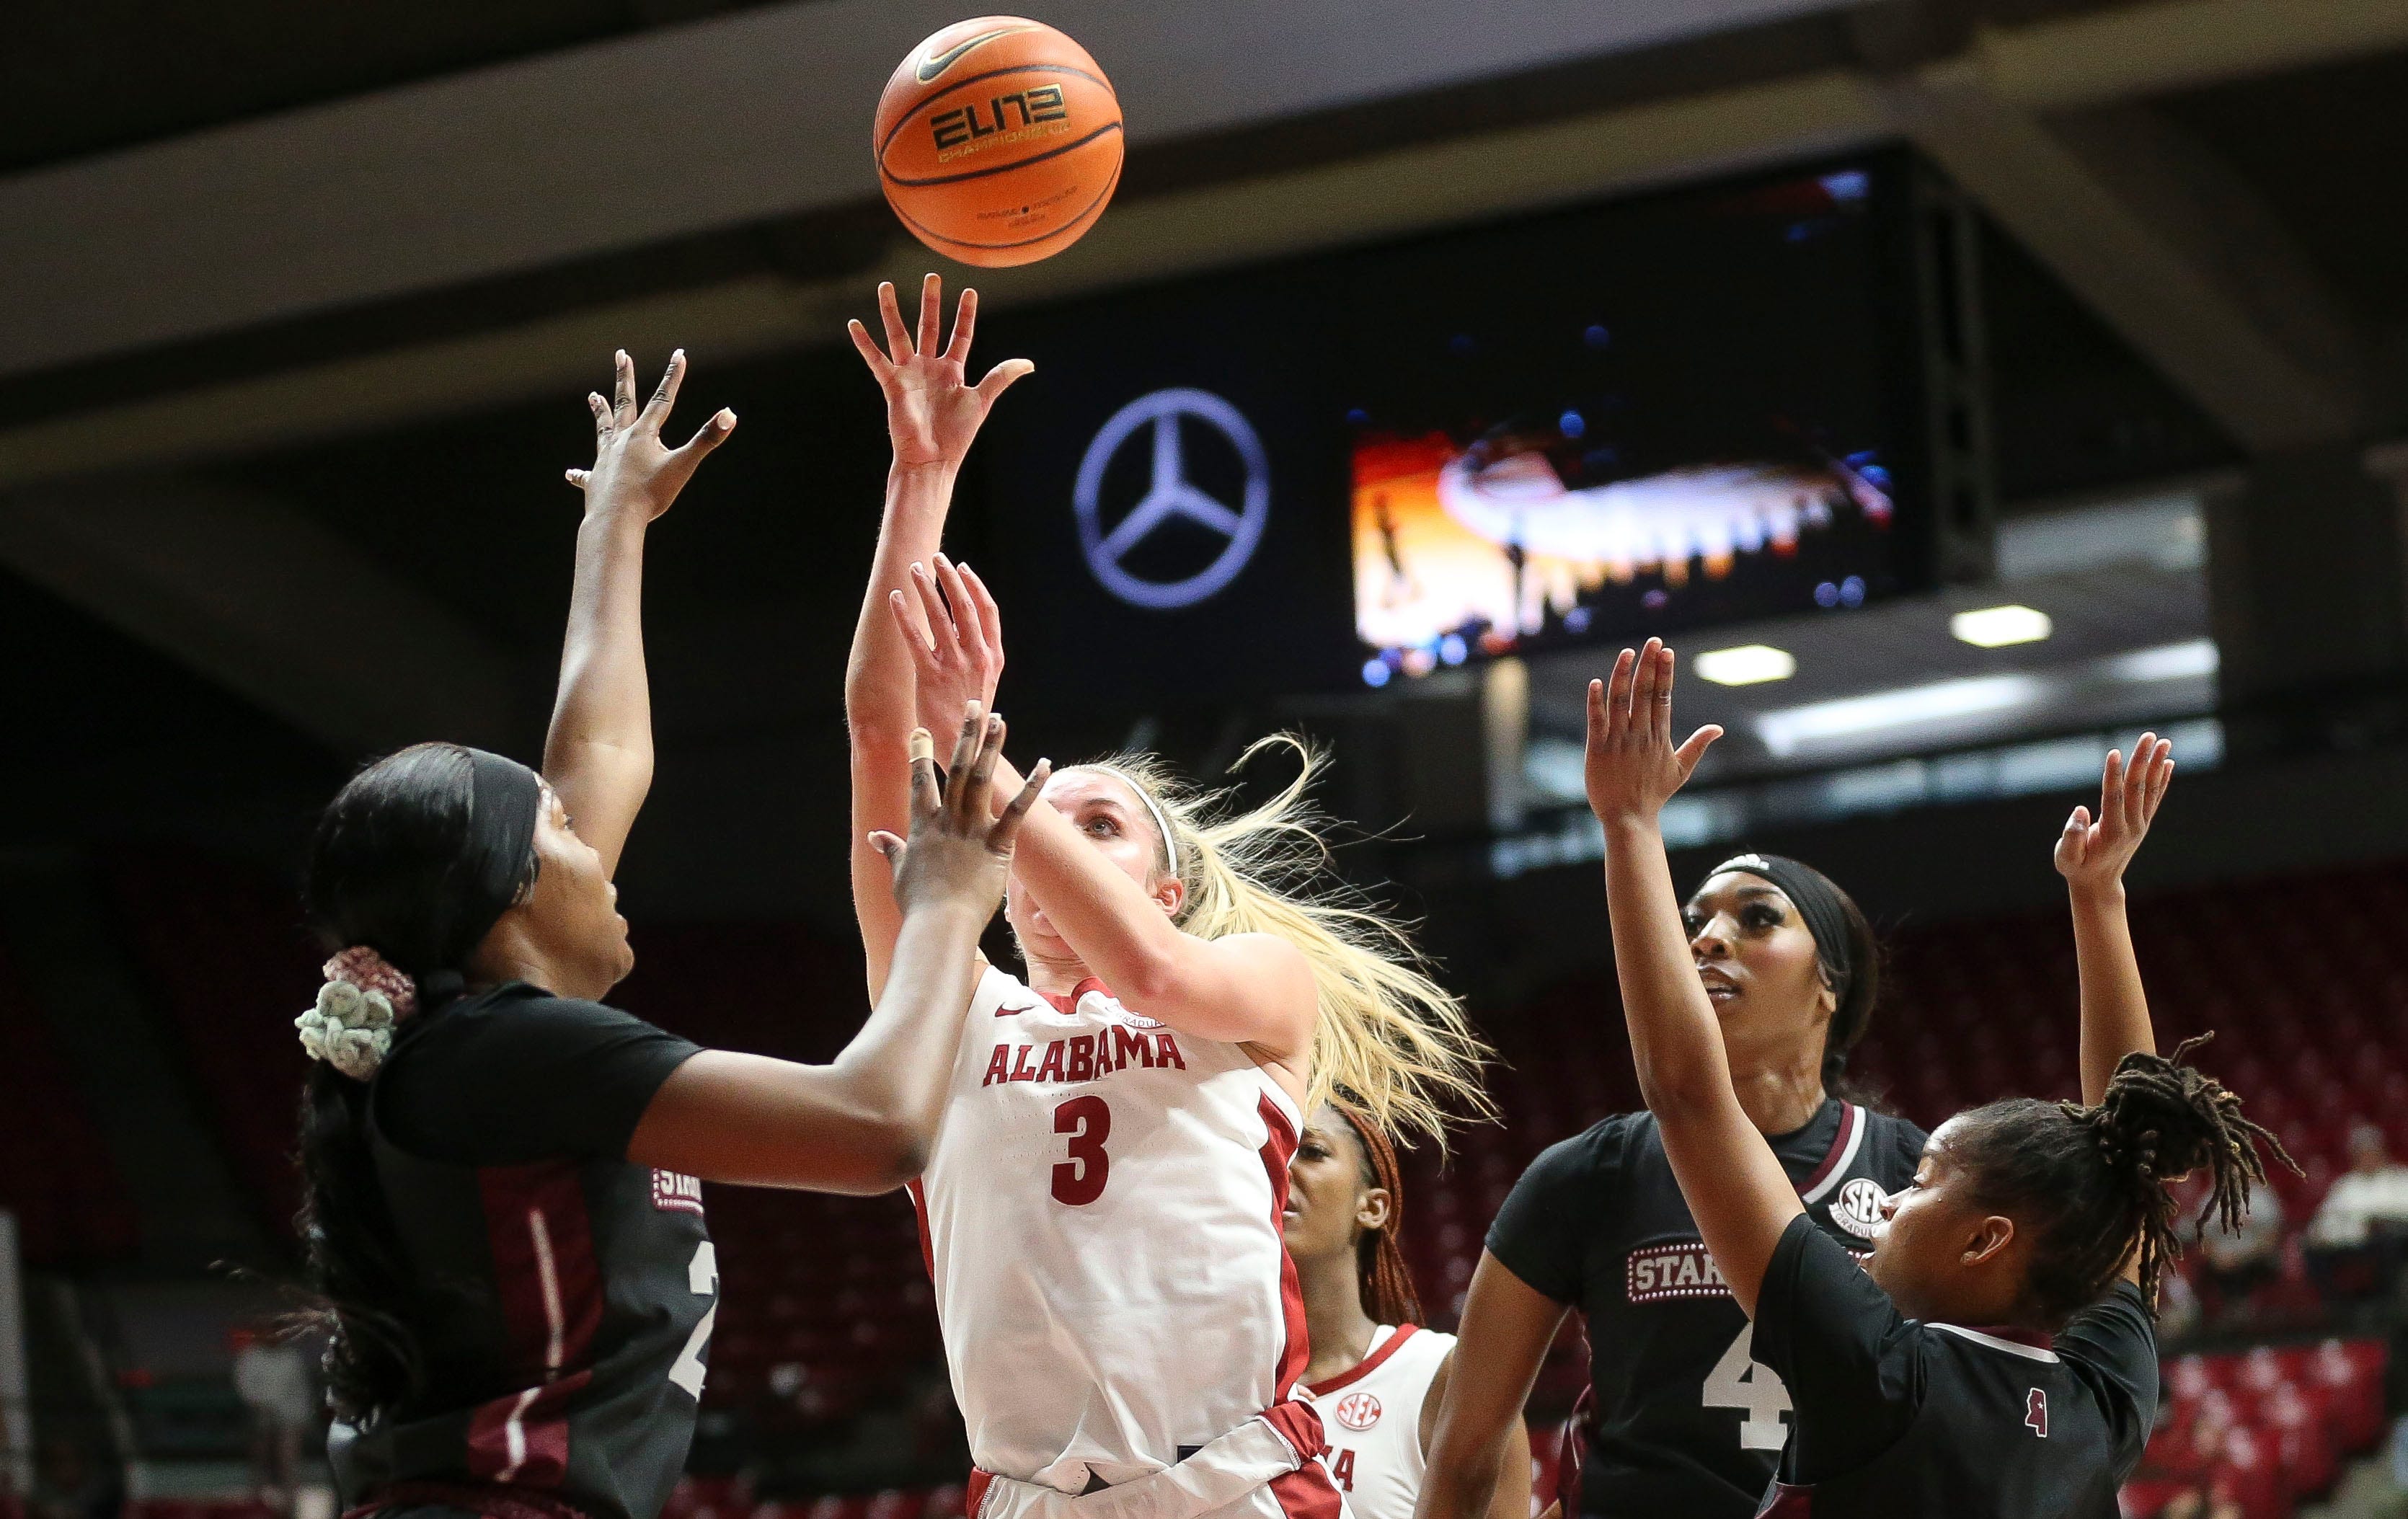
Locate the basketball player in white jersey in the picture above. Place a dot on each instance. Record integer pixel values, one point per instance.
(1376, 1375)
(1102, 1206)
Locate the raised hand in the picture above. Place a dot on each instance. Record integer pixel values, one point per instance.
(632, 467)
(1633, 767)
(932, 412)
(959, 851)
(2093, 853)
(960, 658)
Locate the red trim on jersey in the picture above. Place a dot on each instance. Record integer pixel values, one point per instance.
(918, 1188)
(541, 1244)
(1788, 1502)
(1848, 1112)
(974, 1496)
(1277, 1152)
(1298, 1423)
(1367, 1365)
(1067, 1004)
(1308, 1493)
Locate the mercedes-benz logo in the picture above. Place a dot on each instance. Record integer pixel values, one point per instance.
(1169, 495)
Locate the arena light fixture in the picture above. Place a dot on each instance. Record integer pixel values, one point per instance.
(1943, 702)
(1749, 663)
(1995, 627)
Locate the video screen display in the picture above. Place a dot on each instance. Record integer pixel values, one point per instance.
(1693, 408)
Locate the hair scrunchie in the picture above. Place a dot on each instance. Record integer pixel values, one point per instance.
(350, 1025)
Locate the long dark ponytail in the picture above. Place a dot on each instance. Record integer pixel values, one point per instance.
(1383, 1276)
(415, 858)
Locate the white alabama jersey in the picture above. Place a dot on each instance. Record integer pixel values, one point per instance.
(1101, 1214)
(1372, 1419)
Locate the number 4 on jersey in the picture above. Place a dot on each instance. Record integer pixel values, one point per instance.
(1756, 1389)
(2036, 1412)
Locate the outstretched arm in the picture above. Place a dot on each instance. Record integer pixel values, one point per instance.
(1478, 1448)
(2092, 857)
(932, 416)
(598, 753)
(1256, 989)
(864, 1123)
(1732, 1181)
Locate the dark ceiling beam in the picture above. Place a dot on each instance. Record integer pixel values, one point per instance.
(740, 119)
(269, 604)
(2179, 257)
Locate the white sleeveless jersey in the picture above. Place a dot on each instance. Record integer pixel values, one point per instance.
(1373, 1418)
(1102, 1216)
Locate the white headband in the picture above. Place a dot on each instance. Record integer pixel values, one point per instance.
(1161, 822)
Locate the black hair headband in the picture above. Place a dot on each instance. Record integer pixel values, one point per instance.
(498, 864)
(1818, 901)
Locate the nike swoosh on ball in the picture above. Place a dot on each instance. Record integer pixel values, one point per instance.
(930, 67)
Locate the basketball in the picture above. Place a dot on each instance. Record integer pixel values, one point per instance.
(998, 141)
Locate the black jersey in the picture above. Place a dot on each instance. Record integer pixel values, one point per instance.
(1684, 1422)
(1898, 1416)
(565, 1295)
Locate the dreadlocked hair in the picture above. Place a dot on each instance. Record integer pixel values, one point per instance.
(2090, 1181)
(1387, 1280)
(1390, 1041)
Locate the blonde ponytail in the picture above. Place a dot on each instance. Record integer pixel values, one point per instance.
(1389, 1039)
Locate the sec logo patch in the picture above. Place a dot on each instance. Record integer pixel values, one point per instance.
(1857, 1208)
(1358, 1412)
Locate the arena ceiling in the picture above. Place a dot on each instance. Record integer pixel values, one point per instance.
(280, 275)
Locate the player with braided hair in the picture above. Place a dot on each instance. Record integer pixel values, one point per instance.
(1377, 1375)
(1996, 1355)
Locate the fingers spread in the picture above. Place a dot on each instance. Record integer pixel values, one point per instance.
(2111, 792)
(990, 614)
(965, 323)
(604, 425)
(971, 808)
(623, 389)
(914, 633)
(941, 634)
(967, 635)
(1006, 830)
(1694, 748)
(579, 477)
(966, 746)
(927, 800)
(712, 434)
(879, 364)
(1001, 377)
(898, 337)
(656, 410)
(887, 844)
(932, 313)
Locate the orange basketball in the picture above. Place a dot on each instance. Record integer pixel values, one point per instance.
(998, 141)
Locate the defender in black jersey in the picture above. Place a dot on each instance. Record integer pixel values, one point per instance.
(1993, 1358)
(1683, 1419)
(1901, 1417)
(503, 1223)
(1679, 1419)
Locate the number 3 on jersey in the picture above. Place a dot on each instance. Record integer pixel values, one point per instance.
(1756, 1389)
(1088, 1121)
